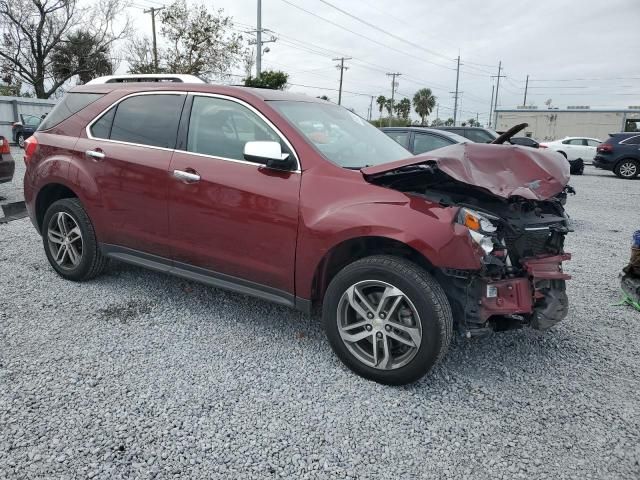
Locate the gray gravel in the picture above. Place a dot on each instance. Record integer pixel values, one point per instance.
(140, 375)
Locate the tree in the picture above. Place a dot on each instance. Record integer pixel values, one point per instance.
(273, 79)
(81, 55)
(200, 42)
(324, 97)
(139, 56)
(33, 30)
(388, 105)
(381, 101)
(437, 123)
(449, 122)
(423, 103)
(472, 122)
(403, 108)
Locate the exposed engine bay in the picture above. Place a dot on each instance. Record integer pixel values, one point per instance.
(520, 239)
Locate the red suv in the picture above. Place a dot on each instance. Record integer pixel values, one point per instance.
(301, 202)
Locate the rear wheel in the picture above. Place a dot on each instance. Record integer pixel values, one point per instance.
(387, 319)
(20, 140)
(627, 168)
(70, 242)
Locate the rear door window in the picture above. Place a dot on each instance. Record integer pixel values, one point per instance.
(592, 143)
(71, 103)
(402, 137)
(145, 119)
(425, 142)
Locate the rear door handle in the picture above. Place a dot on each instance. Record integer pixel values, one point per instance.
(95, 154)
(188, 177)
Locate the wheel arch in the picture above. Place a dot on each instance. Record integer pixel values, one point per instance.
(350, 250)
(48, 194)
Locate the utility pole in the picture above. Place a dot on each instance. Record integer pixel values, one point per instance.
(152, 11)
(342, 69)
(526, 87)
(259, 40)
(491, 105)
(455, 104)
(477, 119)
(393, 91)
(437, 111)
(495, 105)
(370, 114)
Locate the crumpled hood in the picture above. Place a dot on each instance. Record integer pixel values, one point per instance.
(504, 170)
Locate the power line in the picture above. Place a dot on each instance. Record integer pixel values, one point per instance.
(364, 36)
(375, 27)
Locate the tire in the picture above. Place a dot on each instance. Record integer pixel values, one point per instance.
(627, 168)
(20, 140)
(68, 235)
(422, 318)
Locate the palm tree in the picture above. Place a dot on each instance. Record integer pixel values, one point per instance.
(423, 103)
(380, 101)
(388, 104)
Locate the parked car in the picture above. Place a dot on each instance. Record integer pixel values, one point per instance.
(420, 140)
(620, 153)
(475, 134)
(298, 201)
(573, 148)
(7, 164)
(24, 128)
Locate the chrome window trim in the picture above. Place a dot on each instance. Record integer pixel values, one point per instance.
(624, 142)
(200, 94)
(120, 142)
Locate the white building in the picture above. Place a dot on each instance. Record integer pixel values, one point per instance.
(580, 121)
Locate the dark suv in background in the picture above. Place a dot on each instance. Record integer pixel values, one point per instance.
(620, 153)
(475, 134)
(24, 128)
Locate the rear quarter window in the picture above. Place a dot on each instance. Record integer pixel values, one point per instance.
(71, 104)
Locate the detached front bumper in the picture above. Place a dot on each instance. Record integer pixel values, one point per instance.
(537, 297)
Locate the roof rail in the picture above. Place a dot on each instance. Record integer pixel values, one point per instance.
(147, 77)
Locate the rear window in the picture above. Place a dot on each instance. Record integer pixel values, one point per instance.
(632, 140)
(70, 104)
(143, 119)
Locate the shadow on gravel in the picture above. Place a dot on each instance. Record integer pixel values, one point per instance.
(124, 313)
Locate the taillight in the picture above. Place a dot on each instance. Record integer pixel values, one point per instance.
(4, 147)
(604, 148)
(543, 146)
(30, 147)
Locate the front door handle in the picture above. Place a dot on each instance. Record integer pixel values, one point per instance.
(95, 154)
(188, 177)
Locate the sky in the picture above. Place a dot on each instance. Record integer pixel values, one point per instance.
(580, 52)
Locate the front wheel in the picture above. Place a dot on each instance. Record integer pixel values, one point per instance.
(387, 319)
(20, 140)
(627, 169)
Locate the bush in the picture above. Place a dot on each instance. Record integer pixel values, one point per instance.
(395, 122)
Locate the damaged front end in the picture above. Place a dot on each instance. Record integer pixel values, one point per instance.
(511, 201)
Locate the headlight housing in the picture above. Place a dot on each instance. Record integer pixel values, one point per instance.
(480, 225)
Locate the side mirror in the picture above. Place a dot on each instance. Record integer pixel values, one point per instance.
(269, 154)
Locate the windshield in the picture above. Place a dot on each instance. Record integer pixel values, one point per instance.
(341, 136)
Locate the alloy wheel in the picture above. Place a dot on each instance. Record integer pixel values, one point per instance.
(628, 169)
(379, 324)
(65, 240)
(21, 141)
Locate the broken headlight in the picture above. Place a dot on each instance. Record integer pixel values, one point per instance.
(480, 225)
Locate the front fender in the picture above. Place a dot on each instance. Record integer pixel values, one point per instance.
(426, 227)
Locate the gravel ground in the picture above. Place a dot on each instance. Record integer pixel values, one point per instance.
(141, 375)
